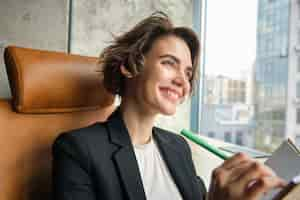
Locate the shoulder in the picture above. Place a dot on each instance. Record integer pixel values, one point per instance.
(78, 144)
(84, 134)
(79, 140)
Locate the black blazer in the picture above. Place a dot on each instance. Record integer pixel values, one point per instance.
(98, 162)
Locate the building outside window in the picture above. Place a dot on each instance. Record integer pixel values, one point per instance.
(298, 116)
(298, 63)
(263, 67)
(298, 40)
(211, 134)
(239, 138)
(298, 140)
(228, 137)
(298, 89)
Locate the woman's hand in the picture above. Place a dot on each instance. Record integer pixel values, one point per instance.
(241, 178)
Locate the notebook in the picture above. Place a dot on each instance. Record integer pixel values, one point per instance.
(285, 161)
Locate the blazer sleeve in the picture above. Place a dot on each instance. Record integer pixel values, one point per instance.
(71, 178)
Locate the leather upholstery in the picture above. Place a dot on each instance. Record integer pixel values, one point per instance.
(26, 139)
(61, 82)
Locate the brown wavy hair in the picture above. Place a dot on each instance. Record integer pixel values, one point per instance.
(129, 49)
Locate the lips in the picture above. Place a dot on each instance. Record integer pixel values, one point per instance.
(171, 94)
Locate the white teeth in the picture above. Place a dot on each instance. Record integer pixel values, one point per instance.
(172, 94)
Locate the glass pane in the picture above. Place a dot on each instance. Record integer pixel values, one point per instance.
(298, 89)
(298, 116)
(298, 63)
(247, 62)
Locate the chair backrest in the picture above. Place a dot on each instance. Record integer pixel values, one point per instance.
(51, 93)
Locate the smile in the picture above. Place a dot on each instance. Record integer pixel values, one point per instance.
(171, 94)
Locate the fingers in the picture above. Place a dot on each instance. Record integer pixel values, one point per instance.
(233, 166)
(254, 172)
(219, 177)
(263, 185)
(236, 172)
(235, 160)
(249, 171)
(240, 177)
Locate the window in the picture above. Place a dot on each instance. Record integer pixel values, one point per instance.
(298, 89)
(239, 137)
(264, 31)
(298, 116)
(211, 134)
(298, 35)
(298, 140)
(243, 85)
(228, 137)
(298, 10)
(268, 90)
(298, 63)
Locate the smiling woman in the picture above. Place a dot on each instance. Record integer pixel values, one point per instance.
(152, 67)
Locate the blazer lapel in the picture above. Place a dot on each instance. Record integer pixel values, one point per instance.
(125, 158)
(175, 162)
(129, 173)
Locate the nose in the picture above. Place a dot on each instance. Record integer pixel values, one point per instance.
(181, 80)
(178, 81)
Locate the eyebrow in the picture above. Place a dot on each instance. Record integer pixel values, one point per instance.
(189, 68)
(170, 56)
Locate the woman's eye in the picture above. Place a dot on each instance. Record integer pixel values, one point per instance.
(168, 62)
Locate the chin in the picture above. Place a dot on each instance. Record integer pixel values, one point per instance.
(165, 107)
(168, 110)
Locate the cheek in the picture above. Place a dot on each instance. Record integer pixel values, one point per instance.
(188, 89)
(165, 76)
(158, 77)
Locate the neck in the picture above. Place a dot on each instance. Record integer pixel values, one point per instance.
(138, 122)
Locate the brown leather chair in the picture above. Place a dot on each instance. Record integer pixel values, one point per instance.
(51, 93)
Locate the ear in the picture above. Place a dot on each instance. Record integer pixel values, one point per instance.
(125, 72)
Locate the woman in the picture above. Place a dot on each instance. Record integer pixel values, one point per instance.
(152, 68)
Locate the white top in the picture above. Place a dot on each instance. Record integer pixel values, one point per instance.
(156, 178)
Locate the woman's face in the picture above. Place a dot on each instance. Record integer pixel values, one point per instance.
(165, 80)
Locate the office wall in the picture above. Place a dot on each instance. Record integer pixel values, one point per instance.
(41, 24)
(95, 21)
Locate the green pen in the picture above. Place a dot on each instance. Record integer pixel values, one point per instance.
(204, 144)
